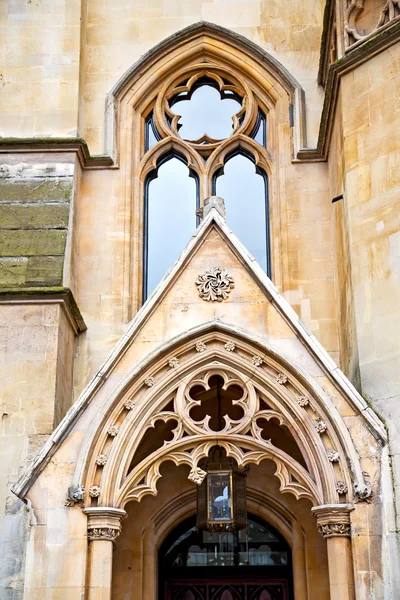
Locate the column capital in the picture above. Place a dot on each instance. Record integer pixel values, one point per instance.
(104, 522)
(333, 520)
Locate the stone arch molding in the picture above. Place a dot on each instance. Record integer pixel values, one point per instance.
(201, 42)
(274, 388)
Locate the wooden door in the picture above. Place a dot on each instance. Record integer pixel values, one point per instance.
(226, 590)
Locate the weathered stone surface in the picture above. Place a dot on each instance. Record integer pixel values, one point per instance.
(31, 243)
(35, 190)
(45, 270)
(36, 216)
(13, 271)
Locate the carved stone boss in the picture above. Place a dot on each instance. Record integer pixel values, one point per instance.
(333, 520)
(214, 285)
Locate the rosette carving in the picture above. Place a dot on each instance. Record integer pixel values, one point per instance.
(215, 285)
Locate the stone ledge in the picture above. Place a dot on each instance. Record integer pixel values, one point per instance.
(74, 144)
(47, 295)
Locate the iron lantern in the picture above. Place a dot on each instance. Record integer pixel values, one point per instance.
(221, 497)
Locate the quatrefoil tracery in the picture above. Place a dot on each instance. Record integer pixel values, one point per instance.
(197, 403)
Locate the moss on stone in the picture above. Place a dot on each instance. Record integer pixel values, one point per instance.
(37, 216)
(55, 189)
(35, 242)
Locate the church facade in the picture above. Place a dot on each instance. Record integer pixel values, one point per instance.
(199, 283)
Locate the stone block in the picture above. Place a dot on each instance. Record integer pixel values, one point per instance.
(32, 242)
(36, 216)
(13, 271)
(36, 189)
(45, 270)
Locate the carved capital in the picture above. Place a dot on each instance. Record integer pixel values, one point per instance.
(104, 523)
(333, 520)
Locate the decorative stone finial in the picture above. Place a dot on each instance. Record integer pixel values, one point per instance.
(212, 202)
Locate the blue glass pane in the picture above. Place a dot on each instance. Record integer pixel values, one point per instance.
(150, 138)
(244, 192)
(205, 113)
(171, 218)
(260, 132)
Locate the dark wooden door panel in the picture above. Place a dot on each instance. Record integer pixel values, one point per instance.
(223, 590)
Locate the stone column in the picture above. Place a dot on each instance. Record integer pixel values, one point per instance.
(104, 526)
(299, 563)
(333, 521)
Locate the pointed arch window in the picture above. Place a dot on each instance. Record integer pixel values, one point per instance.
(205, 134)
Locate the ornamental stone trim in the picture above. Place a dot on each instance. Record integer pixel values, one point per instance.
(101, 460)
(230, 346)
(113, 430)
(103, 533)
(215, 285)
(281, 378)
(333, 456)
(104, 523)
(197, 475)
(334, 530)
(129, 404)
(201, 347)
(333, 520)
(173, 362)
(149, 381)
(94, 491)
(257, 360)
(320, 426)
(341, 487)
(303, 401)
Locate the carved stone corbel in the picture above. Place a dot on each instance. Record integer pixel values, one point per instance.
(333, 520)
(104, 523)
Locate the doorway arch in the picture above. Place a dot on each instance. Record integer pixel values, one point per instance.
(252, 564)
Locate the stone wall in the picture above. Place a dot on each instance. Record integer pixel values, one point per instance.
(35, 202)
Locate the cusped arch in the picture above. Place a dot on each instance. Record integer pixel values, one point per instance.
(293, 397)
(199, 43)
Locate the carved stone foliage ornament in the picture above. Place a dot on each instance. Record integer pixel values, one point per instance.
(341, 487)
(129, 404)
(103, 533)
(197, 475)
(150, 381)
(201, 347)
(281, 378)
(215, 285)
(302, 401)
(257, 360)
(94, 491)
(334, 530)
(173, 362)
(75, 495)
(230, 346)
(320, 426)
(101, 460)
(333, 456)
(113, 430)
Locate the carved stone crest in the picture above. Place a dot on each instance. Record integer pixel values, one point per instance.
(75, 495)
(197, 475)
(214, 285)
